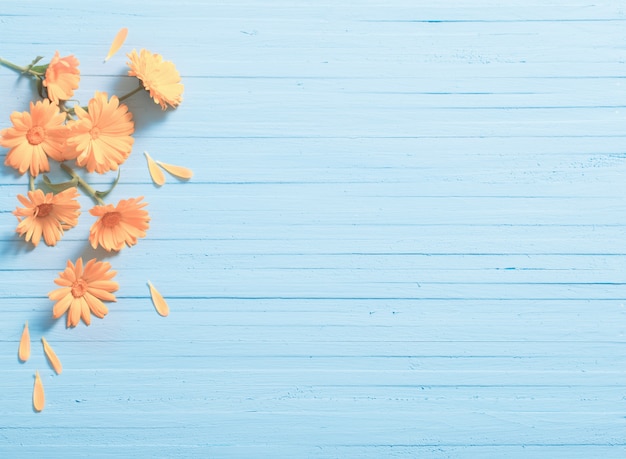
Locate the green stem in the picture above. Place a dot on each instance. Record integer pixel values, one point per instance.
(84, 185)
(69, 112)
(18, 68)
(13, 66)
(134, 91)
(31, 182)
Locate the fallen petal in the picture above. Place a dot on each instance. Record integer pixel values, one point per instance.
(24, 350)
(156, 173)
(117, 43)
(177, 171)
(39, 399)
(52, 357)
(159, 302)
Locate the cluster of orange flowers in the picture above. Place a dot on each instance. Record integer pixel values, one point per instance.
(97, 138)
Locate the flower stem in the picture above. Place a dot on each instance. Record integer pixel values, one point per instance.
(13, 66)
(31, 182)
(69, 112)
(25, 70)
(134, 91)
(84, 185)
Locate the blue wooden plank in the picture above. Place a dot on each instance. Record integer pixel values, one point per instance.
(402, 238)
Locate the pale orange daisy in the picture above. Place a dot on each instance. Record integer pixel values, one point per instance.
(160, 78)
(120, 225)
(83, 290)
(62, 77)
(35, 135)
(101, 137)
(48, 214)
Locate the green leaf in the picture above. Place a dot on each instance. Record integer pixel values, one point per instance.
(102, 194)
(40, 68)
(35, 60)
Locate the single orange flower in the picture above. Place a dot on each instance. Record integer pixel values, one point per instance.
(83, 289)
(101, 137)
(119, 225)
(62, 77)
(35, 135)
(160, 78)
(48, 214)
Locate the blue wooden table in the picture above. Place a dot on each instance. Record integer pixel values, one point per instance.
(405, 235)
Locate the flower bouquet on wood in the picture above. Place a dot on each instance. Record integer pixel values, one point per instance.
(98, 139)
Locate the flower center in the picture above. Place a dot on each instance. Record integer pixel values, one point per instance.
(36, 135)
(111, 219)
(79, 288)
(95, 133)
(43, 210)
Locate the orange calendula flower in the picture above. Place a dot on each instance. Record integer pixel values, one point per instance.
(62, 77)
(48, 214)
(83, 290)
(160, 78)
(101, 137)
(35, 135)
(120, 225)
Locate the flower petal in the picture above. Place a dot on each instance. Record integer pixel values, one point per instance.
(62, 304)
(39, 399)
(117, 43)
(84, 310)
(157, 174)
(24, 350)
(159, 302)
(177, 171)
(96, 306)
(52, 357)
(73, 315)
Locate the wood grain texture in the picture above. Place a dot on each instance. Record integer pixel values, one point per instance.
(404, 236)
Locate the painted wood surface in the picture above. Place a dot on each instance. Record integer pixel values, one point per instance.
(405, 236)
